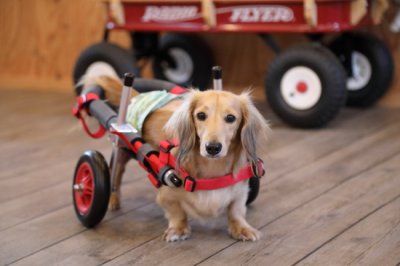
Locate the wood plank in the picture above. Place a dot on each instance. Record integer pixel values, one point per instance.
(61, 224)
(313, 223)
(320, 143)
(26, 183)
(32, 150)
(50, 198)
(314, 179)
(47, 62)
(373, 241)
(91, 247)
(279, 200)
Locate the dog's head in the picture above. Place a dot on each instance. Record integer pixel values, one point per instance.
(215, 122)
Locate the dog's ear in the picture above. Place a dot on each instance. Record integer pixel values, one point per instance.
(255, 129)
(181, 126)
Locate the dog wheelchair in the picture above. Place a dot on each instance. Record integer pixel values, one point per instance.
(94, 179)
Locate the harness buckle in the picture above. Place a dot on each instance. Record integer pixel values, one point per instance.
(169, 177)
(258, 168)
(189, 184)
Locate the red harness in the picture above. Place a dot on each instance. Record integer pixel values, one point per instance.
(192, 184)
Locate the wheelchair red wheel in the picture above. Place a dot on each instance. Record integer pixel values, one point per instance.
(91, 188)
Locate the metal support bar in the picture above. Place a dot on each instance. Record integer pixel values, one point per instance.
(106, 34)
(119, 159)
(270, 42)
(217, 78)
(125, 98)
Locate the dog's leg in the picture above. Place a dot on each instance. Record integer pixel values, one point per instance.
(178, 228)
(116, 180)
(238, 226)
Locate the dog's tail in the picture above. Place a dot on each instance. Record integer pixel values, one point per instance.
(107, 79)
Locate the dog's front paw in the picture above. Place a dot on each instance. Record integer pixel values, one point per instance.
(245, 233)
(175, 234)
(114, 201)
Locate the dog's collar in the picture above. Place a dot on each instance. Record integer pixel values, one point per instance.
(194, 184)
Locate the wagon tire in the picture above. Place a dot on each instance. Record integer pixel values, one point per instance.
(183, 59)
(369, 65)
(305, 86)
(91, 188)
(104, 57)
(254, 188)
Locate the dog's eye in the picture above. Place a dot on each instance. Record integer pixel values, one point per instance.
(201, 116)
(230, 118)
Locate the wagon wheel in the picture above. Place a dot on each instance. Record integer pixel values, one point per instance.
(369, 67)
(105, 58)
(305, 86)
(91, 188)
(185, 60)
(254, 188)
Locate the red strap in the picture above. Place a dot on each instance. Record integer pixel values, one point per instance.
(193, 184)
(152, 160)
(98, 134)
(165, 152)
(82, 102)
(177, 90)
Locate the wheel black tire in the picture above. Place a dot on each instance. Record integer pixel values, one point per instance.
(305, 86)
(185, 60)
(119, 59)
(254, 188)
(369, 65)
(91, 188)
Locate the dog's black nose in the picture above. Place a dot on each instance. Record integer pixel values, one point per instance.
(213, 148)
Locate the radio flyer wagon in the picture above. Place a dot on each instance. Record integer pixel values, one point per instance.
(306, 85)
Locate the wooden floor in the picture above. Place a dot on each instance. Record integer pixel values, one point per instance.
(330, 196)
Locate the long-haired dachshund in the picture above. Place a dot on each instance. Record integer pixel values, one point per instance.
(219, 133)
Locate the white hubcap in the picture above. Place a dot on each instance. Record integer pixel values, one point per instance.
(361, 69)
(301, 88)
(183, 66)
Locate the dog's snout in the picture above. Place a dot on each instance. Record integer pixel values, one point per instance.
(213, 148)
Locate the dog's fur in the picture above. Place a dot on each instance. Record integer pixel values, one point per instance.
(240, 139)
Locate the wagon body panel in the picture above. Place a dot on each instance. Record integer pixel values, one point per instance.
(234, 16)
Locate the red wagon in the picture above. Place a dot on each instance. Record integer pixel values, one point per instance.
(306, 85)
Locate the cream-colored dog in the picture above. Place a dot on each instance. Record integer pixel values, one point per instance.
(219, 133)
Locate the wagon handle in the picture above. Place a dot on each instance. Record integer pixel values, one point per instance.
(209, 13)
(310, 12)
(117, 11)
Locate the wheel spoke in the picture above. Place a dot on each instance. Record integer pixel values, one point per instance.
(88, 191)
(85, 179)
